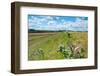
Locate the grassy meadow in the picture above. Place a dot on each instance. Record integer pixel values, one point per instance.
(57, 45)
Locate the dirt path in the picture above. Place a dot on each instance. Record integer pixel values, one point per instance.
(40, 40)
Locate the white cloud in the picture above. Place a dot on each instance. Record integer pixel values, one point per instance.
(79, 24)
(57, 18)
(51, 23)
(49, 18)
(48, 23)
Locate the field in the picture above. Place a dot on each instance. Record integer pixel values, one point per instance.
(57, 45)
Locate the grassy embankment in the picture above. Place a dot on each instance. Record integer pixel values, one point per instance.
(57, 45)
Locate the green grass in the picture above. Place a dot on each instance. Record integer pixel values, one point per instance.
(49, 46)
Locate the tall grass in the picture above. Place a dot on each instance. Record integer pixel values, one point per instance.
(62, 45)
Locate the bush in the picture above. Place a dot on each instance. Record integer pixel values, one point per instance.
(38, 54)
(65, 51)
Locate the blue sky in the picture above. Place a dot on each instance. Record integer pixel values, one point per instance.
(43, 22)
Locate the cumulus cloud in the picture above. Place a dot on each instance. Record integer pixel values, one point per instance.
(57, 23)
(79, 24)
